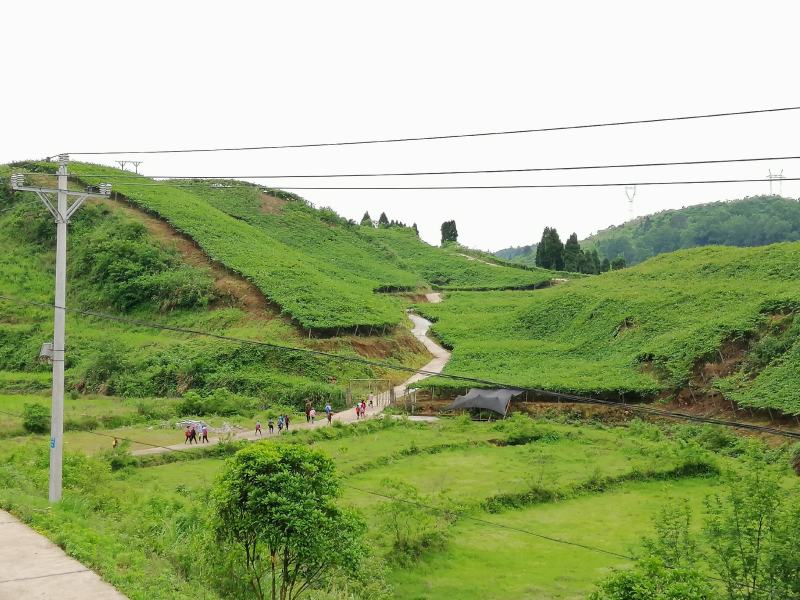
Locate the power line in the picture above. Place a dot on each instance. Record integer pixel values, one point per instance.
(384, 365)
(446, 137)
(469, 187)
(464, 172)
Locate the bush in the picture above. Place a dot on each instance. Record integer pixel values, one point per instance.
(36, 418)
(520, 430)
(219, 402)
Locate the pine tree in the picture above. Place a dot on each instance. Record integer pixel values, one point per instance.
(449, 232)
(605, 266)
(383, 220)
(550, 251)
(573, 256)
(414, 227)
(366, 220)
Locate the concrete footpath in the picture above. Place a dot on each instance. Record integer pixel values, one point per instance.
(33, 567)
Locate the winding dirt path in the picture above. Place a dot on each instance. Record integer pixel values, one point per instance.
(435, 365)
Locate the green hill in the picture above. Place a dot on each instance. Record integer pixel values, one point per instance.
(641, 331)
(323, 271)
(753, 221)
(124, 262)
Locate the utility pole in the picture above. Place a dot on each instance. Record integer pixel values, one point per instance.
(61, 212)
(136, 164)
(776, 177)
(122, 164)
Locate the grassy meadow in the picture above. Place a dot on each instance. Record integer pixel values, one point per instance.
(142, 525)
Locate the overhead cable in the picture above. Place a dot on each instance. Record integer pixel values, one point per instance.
(447, 137)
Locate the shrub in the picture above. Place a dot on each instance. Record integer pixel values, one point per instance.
(36, 418)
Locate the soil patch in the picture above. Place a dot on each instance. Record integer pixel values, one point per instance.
(233, 289)
(271, 205)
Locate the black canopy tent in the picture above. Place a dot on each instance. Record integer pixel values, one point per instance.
(495, 400)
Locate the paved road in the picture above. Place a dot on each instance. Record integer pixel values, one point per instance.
(420, 331)
(32, 567)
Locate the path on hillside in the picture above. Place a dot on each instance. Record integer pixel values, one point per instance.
(436, 365)
(480, 260)
(31, 566)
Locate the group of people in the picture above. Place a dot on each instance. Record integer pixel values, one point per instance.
(361, 408)
(311, 412)
(283, 421)
(195, 434)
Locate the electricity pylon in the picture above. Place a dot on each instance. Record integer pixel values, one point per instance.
(630, 192)
(62, 211)
(776, 177)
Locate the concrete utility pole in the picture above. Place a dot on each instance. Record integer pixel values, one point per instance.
(136, 164)
(61, 213)
(122, 164)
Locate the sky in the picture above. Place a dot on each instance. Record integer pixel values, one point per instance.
(94, 76)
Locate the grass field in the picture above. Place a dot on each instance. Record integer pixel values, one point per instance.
(140, 526)
(641, 330)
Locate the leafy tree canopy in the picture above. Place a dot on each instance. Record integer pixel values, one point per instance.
(275, 506)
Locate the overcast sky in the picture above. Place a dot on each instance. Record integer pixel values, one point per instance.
(88, 76)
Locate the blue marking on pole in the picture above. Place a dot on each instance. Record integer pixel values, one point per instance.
(52, 442)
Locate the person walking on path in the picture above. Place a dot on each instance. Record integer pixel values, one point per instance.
(204, 431)
(258, 428)
(286, 421)
(271, 425)
(280, 424)
(186, 435)
(309, 406)
(358, 410)
(312, 414)
(193, 435)
(363, 409)
(328, 411)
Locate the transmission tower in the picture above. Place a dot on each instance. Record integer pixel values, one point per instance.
(776, 177)
(630, 192)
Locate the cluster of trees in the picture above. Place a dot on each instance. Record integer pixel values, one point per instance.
(552, 253)
(756, 221)
(384, 222)
(449, 232)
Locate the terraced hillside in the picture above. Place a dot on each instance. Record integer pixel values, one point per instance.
(642, 331)
(124, 262)
(321, 270)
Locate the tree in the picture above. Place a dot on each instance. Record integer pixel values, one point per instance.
(550, 251)
(667, 570)
(752, 534)
(572, 254)
(366, 220)
(276, 505)
(605, 266)
(618, 263)
(414, 227)
(383, 220)
(449, 232)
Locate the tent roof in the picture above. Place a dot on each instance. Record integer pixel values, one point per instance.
(494, 400)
